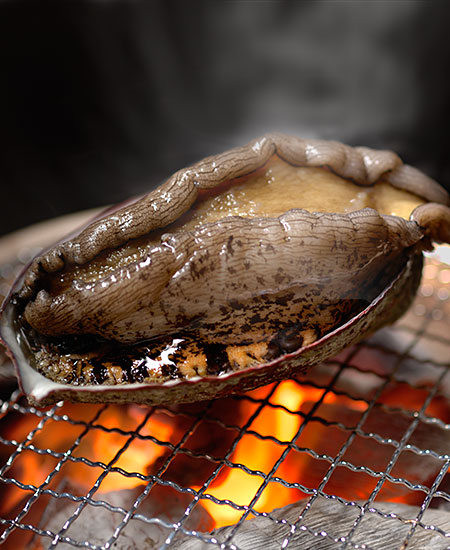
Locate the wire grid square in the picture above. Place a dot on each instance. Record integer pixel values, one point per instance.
(389, 395)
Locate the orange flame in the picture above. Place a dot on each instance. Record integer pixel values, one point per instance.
(97, 445)
(259, 455)
(308, 416)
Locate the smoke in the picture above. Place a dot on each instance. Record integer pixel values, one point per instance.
(100, 100)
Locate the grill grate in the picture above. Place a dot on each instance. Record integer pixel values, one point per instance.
(360, 433)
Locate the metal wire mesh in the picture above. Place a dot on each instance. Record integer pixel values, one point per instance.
(366, 429)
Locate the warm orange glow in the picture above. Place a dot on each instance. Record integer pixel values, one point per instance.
(278, 423)
(290, 395)
(259, 454)
(139, 454)
(97, 445)
(262, 455)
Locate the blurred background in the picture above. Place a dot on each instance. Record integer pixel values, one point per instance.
(100, 100)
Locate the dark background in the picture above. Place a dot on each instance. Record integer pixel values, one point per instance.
(101, 100)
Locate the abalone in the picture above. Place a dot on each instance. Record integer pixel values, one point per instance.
(236, 271)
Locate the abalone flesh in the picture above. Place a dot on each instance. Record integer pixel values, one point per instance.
(238, 270)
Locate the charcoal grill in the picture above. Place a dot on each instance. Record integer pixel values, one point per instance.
(368, 453)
